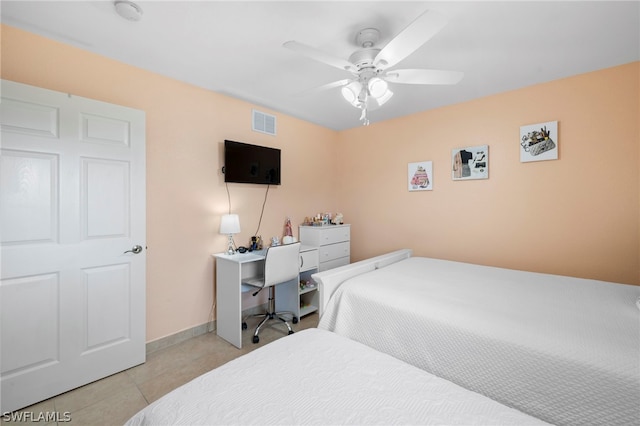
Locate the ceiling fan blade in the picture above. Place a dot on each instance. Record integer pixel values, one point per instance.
(324, 87)
(420, 76)
(410, 39)
(320, 56)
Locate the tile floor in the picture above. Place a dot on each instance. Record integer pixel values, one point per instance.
(114, 399)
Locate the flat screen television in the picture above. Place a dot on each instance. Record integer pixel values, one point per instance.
(246, 163)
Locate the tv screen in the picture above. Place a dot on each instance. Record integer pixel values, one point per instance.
(246, 163)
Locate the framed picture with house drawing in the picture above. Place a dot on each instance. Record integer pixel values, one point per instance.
(420, 176)
(470, 163)
(539, 142)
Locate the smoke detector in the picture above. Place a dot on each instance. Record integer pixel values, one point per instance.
(128, 10)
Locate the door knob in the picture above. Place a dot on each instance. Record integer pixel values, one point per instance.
(135, 250)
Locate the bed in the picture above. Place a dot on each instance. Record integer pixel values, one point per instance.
(318, 377)
(409, 340)
(562, 349)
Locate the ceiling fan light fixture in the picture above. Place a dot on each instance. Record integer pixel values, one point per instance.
(373, 104)
(351, 92)
(377, 87)
(372, 66)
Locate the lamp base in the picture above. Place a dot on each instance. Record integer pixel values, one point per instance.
(230, 249)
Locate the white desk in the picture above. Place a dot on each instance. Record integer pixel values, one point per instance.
(230, 271)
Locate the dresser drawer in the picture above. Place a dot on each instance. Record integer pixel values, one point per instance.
(321, 235)
(333, 264)
(308, 260)
(334, 251)
(335, 235)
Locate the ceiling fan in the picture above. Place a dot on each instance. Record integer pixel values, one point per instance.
(370, 66)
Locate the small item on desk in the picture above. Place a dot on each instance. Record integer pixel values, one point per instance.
(287, 237)
(256, 243)
(288, 230)
(242, 249)
(275, 241)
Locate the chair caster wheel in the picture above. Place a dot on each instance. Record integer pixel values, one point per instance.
(290, 331)
(294, 320)
(255, 339)
(244, 325)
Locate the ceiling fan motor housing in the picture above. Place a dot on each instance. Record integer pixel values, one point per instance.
(366, 38)
(364, 58)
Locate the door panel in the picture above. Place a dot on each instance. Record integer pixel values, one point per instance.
(29, 118)
(28, 201)
(30, 307)
(105, 195)
(102, 129)
(71, 204)
(107, 292)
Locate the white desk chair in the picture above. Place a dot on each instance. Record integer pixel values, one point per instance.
(281, 264)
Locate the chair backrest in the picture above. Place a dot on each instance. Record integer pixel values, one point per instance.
(281, 264)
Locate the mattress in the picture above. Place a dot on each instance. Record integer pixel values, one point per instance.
(565, 350)
(318, 377)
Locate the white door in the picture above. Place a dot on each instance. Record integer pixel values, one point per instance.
(72, 202)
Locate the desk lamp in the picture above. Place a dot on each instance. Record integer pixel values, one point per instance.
(230, 224)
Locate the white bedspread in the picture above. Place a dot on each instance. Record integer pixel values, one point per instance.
(563, 349)
(318, 377)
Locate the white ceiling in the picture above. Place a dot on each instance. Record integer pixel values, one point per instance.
(235, 47)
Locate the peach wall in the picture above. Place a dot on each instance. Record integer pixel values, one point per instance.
(575, 216)
(578, 215)
(186, 194)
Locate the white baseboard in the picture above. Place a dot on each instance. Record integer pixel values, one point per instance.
(181, 336)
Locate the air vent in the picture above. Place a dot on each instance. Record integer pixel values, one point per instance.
(264, 123)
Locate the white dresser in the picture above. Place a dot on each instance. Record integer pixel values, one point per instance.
(333, 242)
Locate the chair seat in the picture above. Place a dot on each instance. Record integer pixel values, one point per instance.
(254, 282)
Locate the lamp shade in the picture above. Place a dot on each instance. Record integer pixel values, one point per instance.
(230, 224)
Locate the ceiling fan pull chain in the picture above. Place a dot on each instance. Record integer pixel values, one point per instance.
(363, 117)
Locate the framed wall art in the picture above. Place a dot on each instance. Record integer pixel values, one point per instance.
(420, 176)
(539, 142)
(470, 163)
